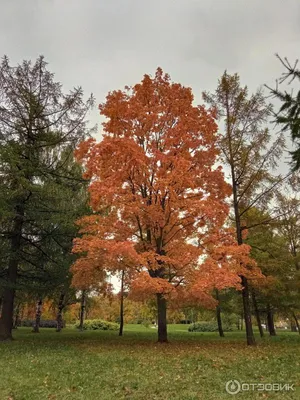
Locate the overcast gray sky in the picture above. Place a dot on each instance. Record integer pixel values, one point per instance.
(105, 44)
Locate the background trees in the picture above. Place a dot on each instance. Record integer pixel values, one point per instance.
(39, 128)
(249, 153)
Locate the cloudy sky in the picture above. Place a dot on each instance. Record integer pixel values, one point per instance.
(106, 44)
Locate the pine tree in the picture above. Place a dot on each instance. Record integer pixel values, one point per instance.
(39, 128)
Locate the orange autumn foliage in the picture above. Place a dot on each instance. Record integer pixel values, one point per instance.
(159, 202)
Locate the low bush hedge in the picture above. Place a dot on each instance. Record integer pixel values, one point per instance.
(98, 324)
(205, 326)
(44, 323)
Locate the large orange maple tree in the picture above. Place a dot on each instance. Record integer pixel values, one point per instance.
(159, 201)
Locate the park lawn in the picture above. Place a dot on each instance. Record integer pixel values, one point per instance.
(100, 365)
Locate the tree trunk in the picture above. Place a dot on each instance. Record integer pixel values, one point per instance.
(245, 291)
(7, 315)
(239, 237)
(122, 305)
(192, 316)
(293, 326)
(17, 317)
(38, 313)
(218, 312)
(247, 312)
(59, 318)
(256, 310)
(82, 309)
(270, 319)
(162, 318)
(242, 321)
(297, 322)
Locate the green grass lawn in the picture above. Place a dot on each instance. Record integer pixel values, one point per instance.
(100, 365)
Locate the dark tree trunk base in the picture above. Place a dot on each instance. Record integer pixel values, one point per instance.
(219, 318)
(5, 336)
(122, 304)
(297, 323)
(258, 319)
(38, 314)
(7, 317)
(59, 314)
(6, 320)
(247, 312)
(270, 319)
(162, 319)
(6, 339)
(82, 310)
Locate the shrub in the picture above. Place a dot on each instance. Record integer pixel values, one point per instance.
(44, 323)
(231, 319)
(205, 326)
(146, 323)
(98, 324)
